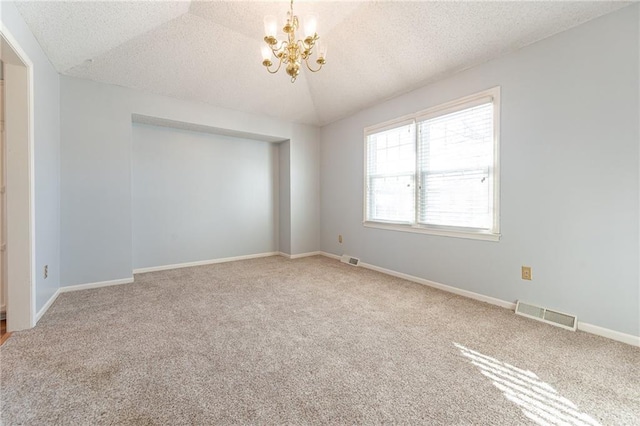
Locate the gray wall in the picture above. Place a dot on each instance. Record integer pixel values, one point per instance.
(284, 208)
(569, 179)
(96, 158)
(198, 196)
(46, 155)
(305, 190)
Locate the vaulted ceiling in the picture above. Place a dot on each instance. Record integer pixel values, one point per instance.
(209, 51)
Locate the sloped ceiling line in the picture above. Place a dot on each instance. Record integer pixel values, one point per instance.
(209, 51)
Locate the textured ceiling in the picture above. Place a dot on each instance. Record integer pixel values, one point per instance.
(209, 51)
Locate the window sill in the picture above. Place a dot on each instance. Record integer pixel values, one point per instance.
(486, 236)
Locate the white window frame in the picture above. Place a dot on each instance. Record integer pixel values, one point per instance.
(442, 109)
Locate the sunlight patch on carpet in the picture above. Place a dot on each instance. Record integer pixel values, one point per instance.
(538, 400)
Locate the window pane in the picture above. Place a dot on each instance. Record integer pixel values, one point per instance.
(437, 173)
(456, 169)
(390, 175)
(456, 199)
(392, 198)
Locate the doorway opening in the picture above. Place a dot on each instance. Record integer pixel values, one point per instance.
(3, 231)
(16, 186)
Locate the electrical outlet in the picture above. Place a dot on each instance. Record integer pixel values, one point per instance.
(526, 273)
(46, 271)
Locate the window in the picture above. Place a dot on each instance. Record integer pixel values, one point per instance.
(436, 171)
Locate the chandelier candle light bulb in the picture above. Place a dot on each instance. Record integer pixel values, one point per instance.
(292, 51)
(266, 54)
(310, 24)
(322, 51)
(270, 26)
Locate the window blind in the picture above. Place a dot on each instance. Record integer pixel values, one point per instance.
(390, 175)
(455, 169)
(437, 171)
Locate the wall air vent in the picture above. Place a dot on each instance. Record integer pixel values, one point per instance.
(353, 261)
(559, 319)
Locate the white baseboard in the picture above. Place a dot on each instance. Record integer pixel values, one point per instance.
(99, 284)
(46, 306)
(587, 328)
(69, 288)
(330, 255)
(203, 262)
(629, 339)
(444, 287)
(300, 255)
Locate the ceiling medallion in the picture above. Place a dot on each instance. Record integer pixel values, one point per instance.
(292, 51)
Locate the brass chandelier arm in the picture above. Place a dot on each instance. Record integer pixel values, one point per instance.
(281, 58)
(309, 42)
(292, 51)
(268, 65)
(275, 48)
(318, 61)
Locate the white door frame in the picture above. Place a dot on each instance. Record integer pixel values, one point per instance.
(21, 297)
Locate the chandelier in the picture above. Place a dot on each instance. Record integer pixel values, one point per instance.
(292, 52)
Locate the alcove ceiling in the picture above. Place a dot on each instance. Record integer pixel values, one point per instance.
(209, 51)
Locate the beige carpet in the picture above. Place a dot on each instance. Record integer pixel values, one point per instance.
(309, 341)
